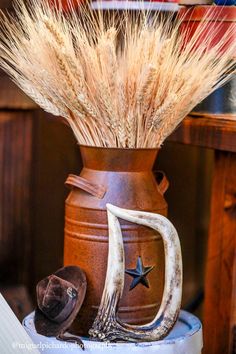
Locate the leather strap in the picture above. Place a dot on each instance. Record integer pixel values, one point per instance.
(71, 339)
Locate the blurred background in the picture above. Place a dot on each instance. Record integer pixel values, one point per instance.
(37, 153)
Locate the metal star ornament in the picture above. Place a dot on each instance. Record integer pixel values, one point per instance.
(139, 274)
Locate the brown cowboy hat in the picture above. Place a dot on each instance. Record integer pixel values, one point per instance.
(59, 297)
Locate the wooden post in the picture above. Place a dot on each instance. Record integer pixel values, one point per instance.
(15, 195)
(17, 114)
(221, 257)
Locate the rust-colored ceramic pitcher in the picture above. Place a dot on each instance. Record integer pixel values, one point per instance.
(124, 178)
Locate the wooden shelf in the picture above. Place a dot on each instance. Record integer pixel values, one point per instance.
(208, 132)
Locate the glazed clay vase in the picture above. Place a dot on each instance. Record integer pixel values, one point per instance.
(124, 178)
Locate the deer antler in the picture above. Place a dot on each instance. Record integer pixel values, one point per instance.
(106, 326)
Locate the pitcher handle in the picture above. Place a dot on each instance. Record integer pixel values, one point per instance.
(87, 186)
(162, 180)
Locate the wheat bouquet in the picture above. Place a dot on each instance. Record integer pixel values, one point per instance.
(121, 82)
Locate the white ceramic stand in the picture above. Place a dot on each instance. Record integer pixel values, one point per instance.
(185, 338)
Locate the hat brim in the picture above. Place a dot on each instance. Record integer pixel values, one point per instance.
(49, 328)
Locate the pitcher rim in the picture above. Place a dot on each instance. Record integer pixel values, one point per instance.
(118, 148)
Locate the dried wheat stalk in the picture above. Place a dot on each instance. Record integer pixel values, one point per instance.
(125, 83)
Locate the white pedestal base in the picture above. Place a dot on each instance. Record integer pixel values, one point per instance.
(185, 338)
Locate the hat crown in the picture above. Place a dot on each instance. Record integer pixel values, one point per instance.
(56, 297)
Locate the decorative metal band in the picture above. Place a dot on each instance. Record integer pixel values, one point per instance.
(104, 239)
